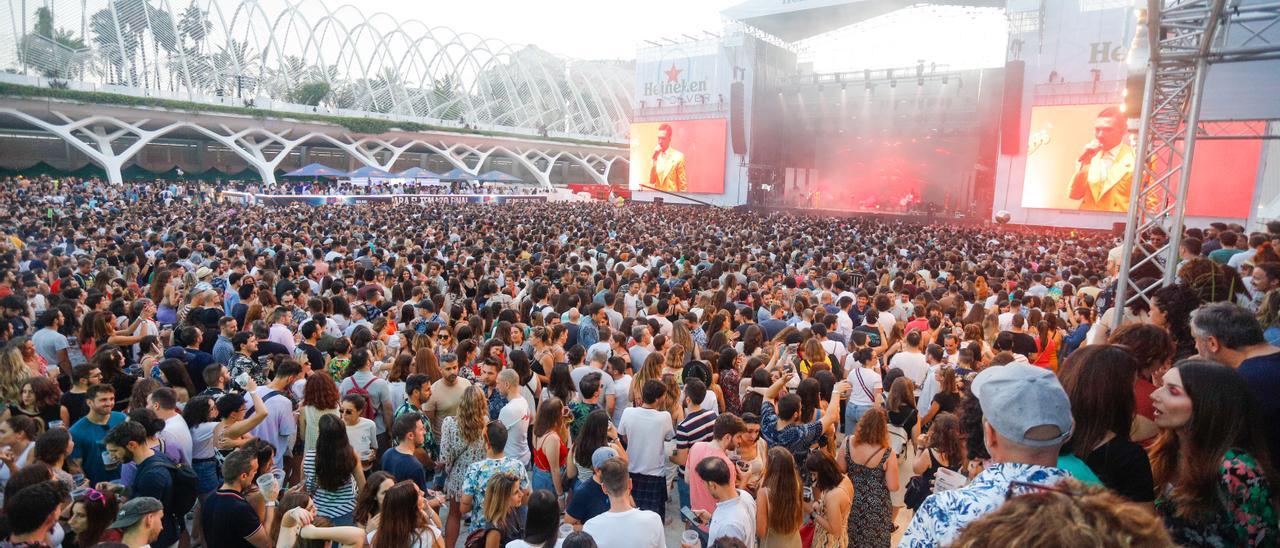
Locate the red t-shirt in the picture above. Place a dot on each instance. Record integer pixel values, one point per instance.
(1142, 389)
(699, 496)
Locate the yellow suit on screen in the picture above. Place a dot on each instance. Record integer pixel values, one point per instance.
(1104, 183)
(668, 172)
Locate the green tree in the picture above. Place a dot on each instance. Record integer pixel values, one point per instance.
(310, 93)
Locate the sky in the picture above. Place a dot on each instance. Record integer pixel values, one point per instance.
(583, 29)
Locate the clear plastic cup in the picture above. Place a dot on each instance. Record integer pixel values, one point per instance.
(270, 482)
(690, 539)
(565, 530)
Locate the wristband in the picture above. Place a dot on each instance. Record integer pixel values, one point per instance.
(271, 504)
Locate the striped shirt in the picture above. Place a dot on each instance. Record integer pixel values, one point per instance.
(329, 504)
(697, 426)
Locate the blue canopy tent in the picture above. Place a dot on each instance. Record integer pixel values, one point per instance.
(499, 177)
(418, 173)
(457, 174)
(316, 170)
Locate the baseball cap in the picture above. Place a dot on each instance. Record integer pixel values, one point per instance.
(1016, 398)
(600, 455)
(133, 511)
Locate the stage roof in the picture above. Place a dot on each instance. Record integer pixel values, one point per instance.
(794, 20)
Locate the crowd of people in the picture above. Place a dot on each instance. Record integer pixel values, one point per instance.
(347, 187)
(179, 373)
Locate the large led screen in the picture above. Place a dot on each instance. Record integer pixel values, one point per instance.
(1080, 157)
(679, 156)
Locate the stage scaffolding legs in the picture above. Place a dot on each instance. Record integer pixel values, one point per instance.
(1184, 43)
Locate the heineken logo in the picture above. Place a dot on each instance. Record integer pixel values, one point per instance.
(674, 85)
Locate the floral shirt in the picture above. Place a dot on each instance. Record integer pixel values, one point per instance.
(797, 438)
(942, 515)
(457, 455)
(496, 402)
(430, 443)
(336, 367)
(1248, 518)
(241, 363)
(477, 479)
(729, 379)
(578, 412)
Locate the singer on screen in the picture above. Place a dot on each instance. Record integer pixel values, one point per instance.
(1104, 170)
(667, 172)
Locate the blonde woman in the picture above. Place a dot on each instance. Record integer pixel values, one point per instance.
(462, 442)
(13, 371)
(650, 370)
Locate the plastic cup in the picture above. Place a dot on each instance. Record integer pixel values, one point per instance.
(690, 539)
(565, 530)
(268, 483)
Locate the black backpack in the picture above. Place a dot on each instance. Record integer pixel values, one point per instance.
(186, 486)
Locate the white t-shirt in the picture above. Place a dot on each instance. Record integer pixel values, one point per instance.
(912, 364)
(734, 518)
(1005, 321)
(515, 416)
(870, 379)
(364, 438)
(646, 431)
(634, 528)
(623, 400)
(607, 387)
(886, 321)
(177, 431)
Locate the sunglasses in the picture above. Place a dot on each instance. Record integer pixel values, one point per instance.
(348, 411)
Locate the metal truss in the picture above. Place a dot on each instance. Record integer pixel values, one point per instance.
(1184, 40)
(307, 52)
(111, 143)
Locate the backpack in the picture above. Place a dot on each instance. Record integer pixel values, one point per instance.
(186, 486)
(363, 391)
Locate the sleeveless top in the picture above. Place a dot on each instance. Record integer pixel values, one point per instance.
(540, 459)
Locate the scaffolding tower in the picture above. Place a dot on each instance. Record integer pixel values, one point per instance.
(1184, 38)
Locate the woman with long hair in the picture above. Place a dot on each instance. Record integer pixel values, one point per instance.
(91, 516)
(1048, 342)
(780, 502)
(597, 431)
(53, 448)
(110, 362)
(406, 520)
(542, 524)
(1171, 308)
(13, 369)
(1153, 351)
(18, 434)
(150, 352)
(462, 442)
(173, 373)
(1215, 484)
(530, 388)
(319, 397)
(729, 365)
(946, 400)
(369, 499)
(872, 466)
(502, 499)
(832, 499)
(1099, 381)
(560, 384)
(550, 447)
(943, 448)
(334, 479)
(425, 359)
(543, 353)
(40, 399)
(651, 369)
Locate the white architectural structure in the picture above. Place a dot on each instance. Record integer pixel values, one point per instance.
(308, 53)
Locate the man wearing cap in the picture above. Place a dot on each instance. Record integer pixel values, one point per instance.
(589, 499)
(1026, 419)
(140, 519)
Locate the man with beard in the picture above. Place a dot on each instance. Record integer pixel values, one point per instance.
(727, 427)
(446, 393)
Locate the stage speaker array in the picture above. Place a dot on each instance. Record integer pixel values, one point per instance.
(1011, 111)
(737, 121)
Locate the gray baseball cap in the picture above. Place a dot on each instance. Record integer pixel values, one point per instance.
(1016, 398)
(600, 455)
(133, 511)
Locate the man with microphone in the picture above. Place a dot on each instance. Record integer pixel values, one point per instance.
(1104, 171)
(667, 172)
